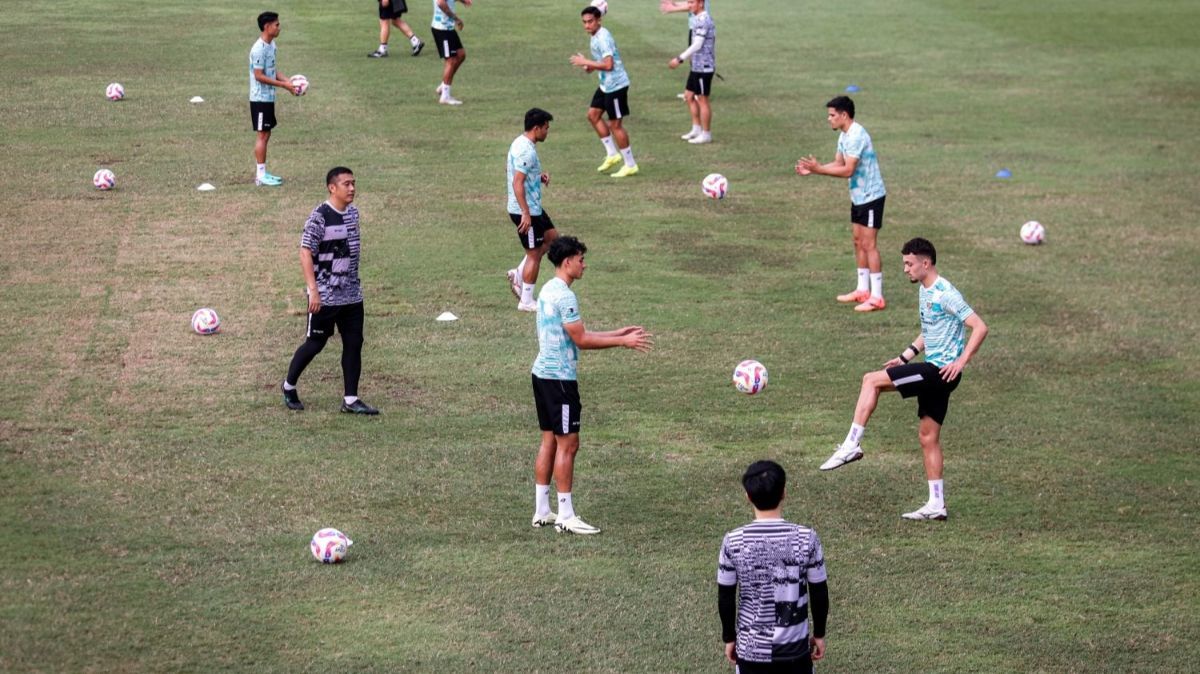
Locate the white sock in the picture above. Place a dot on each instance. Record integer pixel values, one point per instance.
(445, 90)
(260, 170)
(541, 499)
(349, 399)
(863, 276)
(937, 496)
(383, 47)
(287, 386)
(526, 293)
(565, 510)
(877, 284)
(521, 268)
(854, 437)
(414, 40)
(696, 129)
(627, 153)
(610, 145)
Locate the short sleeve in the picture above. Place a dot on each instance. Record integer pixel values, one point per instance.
(608, 46)
(854, 145)
(523, 160)
(314, 231)
(814, 570)
(568, 307)
(726, 571)
(258, 59)
(954, 304)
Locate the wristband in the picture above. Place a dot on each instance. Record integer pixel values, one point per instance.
(903, 359)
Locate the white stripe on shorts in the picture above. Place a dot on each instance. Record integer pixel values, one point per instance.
(529, 236)
(566, 417)
(308, 330)
(617, 107)
(260, 116)
(702, 87)
(871, 217)
(908, 380)
(445, 49)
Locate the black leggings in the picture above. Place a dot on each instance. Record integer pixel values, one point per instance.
(349, 322)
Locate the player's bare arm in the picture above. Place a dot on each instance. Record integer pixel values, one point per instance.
(979, 332)
(632, 337)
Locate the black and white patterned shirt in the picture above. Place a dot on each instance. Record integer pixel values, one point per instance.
(705, 59)
(332, 237)
(772, 562)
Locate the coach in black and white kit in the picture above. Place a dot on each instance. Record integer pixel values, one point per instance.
(329, 252)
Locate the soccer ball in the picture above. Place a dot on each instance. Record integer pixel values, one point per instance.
(114, 92)
(750, 377)
(330, 546)
(714, 186)
(1033, 233)
(104, 179)
(300, 84)
(601, 5)
(205, 321)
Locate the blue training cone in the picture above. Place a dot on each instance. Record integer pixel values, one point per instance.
(1003, 173)
(853, 88)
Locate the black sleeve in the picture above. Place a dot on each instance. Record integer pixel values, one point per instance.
(818, 598)
(727, 607)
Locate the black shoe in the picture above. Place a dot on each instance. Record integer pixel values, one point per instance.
(377, 54)
(359, 407)
(292, 398)
(418, 47)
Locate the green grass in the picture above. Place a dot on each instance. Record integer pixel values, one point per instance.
(157, 499)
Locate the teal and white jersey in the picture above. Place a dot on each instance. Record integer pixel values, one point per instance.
(262, 57)
(603, 45)
(866, 184)
(523, 157)
(943, 312)
(557, 353)
(440, 20)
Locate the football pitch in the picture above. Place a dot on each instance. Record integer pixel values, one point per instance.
(157, 499)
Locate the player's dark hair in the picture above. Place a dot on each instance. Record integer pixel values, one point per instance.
(564, 247)
(764, 482)
(591, 10)
(921, 247)
(265, 18)
(335, 172)
(537, 117)
(842, 104)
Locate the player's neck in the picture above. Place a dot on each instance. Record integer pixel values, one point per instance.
(337, 204)
(773, 514)
(563, 276)
(531, 135)
(930, 279)
(266, 38)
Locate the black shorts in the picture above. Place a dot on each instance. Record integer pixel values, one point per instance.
(615, 104)
(262, 116)
(799, 666)
(558, 405)
(447, 42)
(536, 234)
(925, 382)
(348, 318)
(700, 83)
(868, 215)
(394, 9)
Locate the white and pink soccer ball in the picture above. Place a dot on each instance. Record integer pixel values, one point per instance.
(299, 84)
(104, 179)
(330, 546)
(114, 92)
(601, 5)
(750, 377)
(205, 321)
(1033, 232)
(714, 186)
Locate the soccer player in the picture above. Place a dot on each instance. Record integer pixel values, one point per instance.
(446, 24)
(263, 80)
(329, 252)
(944, 315)
(672, 6)
(857, 161)
(703, 53)
(769, 573)
(534, 228)
(392, 12)
(612, 96)
(555, 392)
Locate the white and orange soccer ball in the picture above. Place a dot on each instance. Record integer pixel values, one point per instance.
(300, 84)
(104, 179)
(601, 5)
(205, 321)
(714, 186)
(1033, 232)
(330, 546)
(114, 92)
(750, 377)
